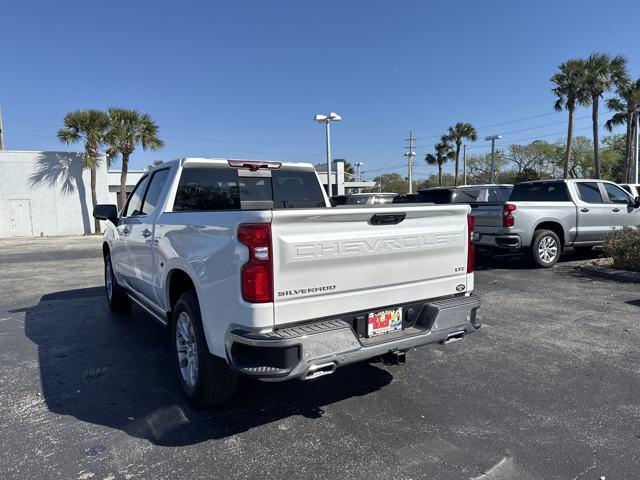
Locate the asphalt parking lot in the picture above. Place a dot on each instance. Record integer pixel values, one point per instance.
(549, 388)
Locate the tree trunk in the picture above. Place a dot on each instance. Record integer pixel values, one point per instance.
(439, 174)
(628, 150)
(123, 179)
(596, 145)
(94, 197)
(567, 153)
(455, 178)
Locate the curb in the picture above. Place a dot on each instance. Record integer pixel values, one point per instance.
(611, 273)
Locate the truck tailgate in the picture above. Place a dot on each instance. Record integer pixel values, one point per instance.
(333, 261)
(487, 215)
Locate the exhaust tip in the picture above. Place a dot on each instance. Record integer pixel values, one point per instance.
(315, 371)
(453, 337)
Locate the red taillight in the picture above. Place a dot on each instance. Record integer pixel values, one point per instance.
(507, 215)
(471, 248)
(257, 273)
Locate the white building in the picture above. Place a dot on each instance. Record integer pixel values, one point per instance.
(47, 193)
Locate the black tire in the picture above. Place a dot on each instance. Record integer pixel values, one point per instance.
(116, 296)
(545, 248)
(213, 381)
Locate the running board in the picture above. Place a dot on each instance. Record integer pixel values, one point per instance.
(149, 310)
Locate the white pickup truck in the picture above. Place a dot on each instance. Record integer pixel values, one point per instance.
(257, 275)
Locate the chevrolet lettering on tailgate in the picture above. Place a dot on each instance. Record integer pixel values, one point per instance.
(374, 246)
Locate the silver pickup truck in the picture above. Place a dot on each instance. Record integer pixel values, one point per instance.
(546, 216)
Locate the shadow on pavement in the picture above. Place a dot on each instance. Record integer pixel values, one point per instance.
(115, 370)
(521, 260)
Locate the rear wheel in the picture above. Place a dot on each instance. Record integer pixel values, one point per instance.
(205, 379)
(116, 295)
(545, 248)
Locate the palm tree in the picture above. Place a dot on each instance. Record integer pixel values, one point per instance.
(90, 127)
(625, 105)
(602, 73)
(457, 134)
(443, 152)
(569, 92)
(128, 129)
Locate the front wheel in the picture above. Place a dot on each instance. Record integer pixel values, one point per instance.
(545, 248)
(205, 379)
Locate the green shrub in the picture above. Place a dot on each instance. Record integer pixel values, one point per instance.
(623, 246)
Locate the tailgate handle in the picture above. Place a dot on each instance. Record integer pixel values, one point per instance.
(387, 218)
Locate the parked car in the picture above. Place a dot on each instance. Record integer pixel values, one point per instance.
(338, 200)
(369, 198)
(470, 194)
(632, 188)
(256, 276)
(546, 216)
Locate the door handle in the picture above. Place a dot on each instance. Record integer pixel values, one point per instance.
(615, 209)
(146, 233)
(388, 218)
(585, 209)
(126, 230)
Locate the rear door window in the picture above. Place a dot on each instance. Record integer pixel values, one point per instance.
(589, 192)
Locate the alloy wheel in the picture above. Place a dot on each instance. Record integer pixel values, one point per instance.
(547, 249)
(187, 348)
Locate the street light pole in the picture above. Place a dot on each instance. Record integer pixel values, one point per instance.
(327, 130)
(492, 171)
(327, 119)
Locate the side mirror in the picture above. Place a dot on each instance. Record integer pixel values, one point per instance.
(636, 202)
(106, 212)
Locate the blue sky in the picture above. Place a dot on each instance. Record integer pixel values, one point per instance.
(244, 78)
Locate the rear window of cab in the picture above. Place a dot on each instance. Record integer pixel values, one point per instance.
(540, 192)
(212, 188)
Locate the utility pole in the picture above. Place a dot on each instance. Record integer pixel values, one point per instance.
(1, 132)
(492, 171)
(358, 172)
(464, 164)
(410, 154)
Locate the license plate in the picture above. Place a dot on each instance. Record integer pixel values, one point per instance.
(385, 321)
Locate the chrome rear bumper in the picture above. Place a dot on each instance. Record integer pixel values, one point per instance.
(314, 349)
